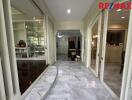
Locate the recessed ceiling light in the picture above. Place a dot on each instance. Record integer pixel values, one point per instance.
(68, 11)
(118, 10)
(122, 17)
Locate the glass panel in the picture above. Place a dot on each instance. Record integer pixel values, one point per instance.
(29, 44)
(94, 45)
(29, 39)
(35, 38)
(115, 48)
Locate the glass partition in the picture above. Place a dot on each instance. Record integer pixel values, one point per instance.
(29, 39)
(94, 45)
(35, 38)
(115, 48)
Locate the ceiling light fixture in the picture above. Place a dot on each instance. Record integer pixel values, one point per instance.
(122, 17)
(59, 35)
(68, 11)
(118, 10)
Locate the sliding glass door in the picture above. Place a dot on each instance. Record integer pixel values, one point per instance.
(95, 45)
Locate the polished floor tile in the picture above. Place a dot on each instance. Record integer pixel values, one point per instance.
(43, 84)
(76, 82)
(113, 78)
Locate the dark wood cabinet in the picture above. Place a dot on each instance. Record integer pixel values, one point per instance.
(29, 71)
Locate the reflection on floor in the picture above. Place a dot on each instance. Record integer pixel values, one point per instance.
(63, 57)
(76, 82)
(113, 78)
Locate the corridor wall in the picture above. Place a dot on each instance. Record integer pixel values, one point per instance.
(88, 20)
(50, 41)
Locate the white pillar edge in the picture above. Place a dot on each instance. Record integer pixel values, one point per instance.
(104, 44)
(2, 87)
(98, 44)
(127, 60)
(5, 56)
(11, 46)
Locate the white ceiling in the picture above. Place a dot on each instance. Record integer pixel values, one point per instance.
(115, 17)
(79, 9)
(26, 6)
(57, 8)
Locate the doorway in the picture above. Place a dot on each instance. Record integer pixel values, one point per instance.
(68, 45)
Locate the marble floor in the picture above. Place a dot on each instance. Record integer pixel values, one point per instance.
(76, 82)
(63, 57)
(42, 85)
(113, 78)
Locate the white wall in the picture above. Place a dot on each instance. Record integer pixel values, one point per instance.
(62, 45)
(69, 25)
(50, 41)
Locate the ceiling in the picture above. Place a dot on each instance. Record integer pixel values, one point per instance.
(115, 16)
(15, 11)
(56, 8)
(79, 9)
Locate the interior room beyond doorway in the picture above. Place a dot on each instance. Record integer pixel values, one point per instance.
(68, 44)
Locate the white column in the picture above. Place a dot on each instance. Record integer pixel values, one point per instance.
(11, 45)
(47, 41)
(127, 63)
(104, 44)
(98, 44)
(82, 45)
(5, 56)
(2, 87)
(88, 47)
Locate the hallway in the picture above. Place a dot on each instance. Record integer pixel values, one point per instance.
(65, 50)
(75, 82)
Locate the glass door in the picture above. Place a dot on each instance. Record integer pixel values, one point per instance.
(95, 45)
(114, 48)
(94, 37)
